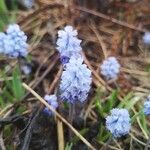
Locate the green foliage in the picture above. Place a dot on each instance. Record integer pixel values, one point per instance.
(17, 89)
(82, 132)
(147, 68)
(5, 16)
(12, 88)
(104, 107)
(68, 146)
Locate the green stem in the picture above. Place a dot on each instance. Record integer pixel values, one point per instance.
(136, 115)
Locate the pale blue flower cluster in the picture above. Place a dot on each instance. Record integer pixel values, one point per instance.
(14, 42)
(28, 3)
(68, 44)
(51, 100)
(118, 123)
(146, 38)
(147, 106)
(110, 68)
(75, 81)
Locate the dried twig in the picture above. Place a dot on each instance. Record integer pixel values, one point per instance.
(43, 76)
(122, 23)
(100, 39)
(55, 81)
(2, 146)
(28, 135)
(59, 116)
(147, 144)
(60, 134)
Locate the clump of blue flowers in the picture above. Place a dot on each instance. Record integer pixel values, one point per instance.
(147, 106)
(13, 43)
(118, 123)
(146, 38)
(110, 68)
(75, 81)
(51, 100)
(68, 43)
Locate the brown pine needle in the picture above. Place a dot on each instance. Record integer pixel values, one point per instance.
(100, 39)
(101, 15)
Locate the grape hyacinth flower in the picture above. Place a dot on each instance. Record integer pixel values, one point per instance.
(68, 44)
(51, 100)
(75, 81)
(19, 40)
(118, 123)
(28, 3)
(13, 43)
(110, 68)
(147, 106)
(146, 38)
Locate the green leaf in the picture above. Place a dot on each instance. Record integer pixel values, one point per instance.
(98, 103)
(125, 101)
(3, 7)
(2, 104)
(130, 104)
(112, 100)
(69, 146)
(18, 90)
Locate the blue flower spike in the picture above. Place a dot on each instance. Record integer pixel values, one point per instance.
(51, 100)
(110, 68)
(75, 81)
(68, 43)
(147, 106)
(118, 123)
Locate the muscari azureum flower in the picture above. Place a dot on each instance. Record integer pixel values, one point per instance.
(14, 42)
(75, 81)
(27, 3)
(110, 68)
(147, 106)
(51, 100)
(146, 38)
(118, 123)
(68, 43)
